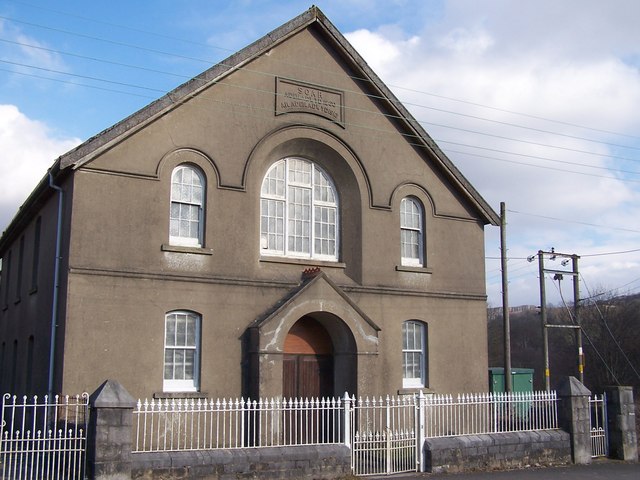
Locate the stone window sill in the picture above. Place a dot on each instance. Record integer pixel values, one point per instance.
(303, 261)
(405, 268)
(179, 249)
(180, 395)
(413, 391)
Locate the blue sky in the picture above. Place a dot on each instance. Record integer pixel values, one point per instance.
(534, 101)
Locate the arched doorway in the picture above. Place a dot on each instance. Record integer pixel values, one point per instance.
(308, 362)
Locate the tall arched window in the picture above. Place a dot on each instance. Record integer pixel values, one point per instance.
(186, 226)
(414, 354)
(181, 352)
(298, 211)
(412, 232)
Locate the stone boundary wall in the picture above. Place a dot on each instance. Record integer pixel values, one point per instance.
(309, 461)
(495, 451)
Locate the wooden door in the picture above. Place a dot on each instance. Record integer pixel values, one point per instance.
(307, 376)
(308, 361)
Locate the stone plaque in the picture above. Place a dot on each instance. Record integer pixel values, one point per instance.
(294, 96)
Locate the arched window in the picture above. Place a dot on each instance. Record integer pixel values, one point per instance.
(298, 211)
(186, 226)
(411, 232)
(414, 354)
(181, 352)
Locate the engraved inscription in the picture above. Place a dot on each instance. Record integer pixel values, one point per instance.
(303, 97)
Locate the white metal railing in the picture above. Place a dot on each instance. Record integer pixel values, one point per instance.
(384, 434)
(201, 424)
(43, 437)
(471, 414)
(598, 417)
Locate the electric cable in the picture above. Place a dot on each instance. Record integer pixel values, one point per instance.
(586, 336)
(208, 45)
(606, 324)
(422, 122)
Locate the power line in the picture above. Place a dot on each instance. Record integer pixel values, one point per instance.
(538, 158)
(546, 217)
(128, 45)
(208, 45)
(86, 77)
(407, 136)
(58, 80)
(606, 324)
(573, 320)
(422, 122)
(124, 27)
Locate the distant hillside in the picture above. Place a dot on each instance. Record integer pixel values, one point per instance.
(611, 341)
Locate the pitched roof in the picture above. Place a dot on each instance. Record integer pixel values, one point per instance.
(103, 141)
(307, 282)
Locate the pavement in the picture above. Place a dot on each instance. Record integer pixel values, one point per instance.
(598, 470)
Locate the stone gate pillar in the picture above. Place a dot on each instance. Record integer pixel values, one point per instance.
(110, 432)
(621, 423)
(574, 418)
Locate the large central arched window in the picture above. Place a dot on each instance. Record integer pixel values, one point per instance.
(298, 211)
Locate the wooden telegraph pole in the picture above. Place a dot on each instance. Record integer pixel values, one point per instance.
(505, 300)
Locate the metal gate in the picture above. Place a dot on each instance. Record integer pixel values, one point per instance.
(43, 438)
(384, 435)
(598, 414)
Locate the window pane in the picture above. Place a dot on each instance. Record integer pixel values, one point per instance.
(191, 332)
(168, 365)
(272, 223)
(187, 175)
(299, 171)
(181, 333)
(181, 350)
(303, 188)
(189, 364)
(410, 214)
(414, 353)
(178, 372)
(170, 338)
(411, 234)
(176, 191)
(273, 184)
(299, 219)
(186, 213)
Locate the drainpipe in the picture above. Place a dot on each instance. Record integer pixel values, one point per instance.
(56, 286)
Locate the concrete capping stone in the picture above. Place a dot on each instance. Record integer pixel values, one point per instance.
(572, 387)
(111, 394)
(496, 450)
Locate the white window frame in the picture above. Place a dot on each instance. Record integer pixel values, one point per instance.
(315, 203)
(188, 241)
(419, 260)
(183, 385)
(420, 381)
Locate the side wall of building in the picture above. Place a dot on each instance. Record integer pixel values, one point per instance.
(27, 297)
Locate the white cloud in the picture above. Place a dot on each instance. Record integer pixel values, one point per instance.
(462, 41)
(565, 61)
(22, 51)
(382, 52)
(28, 149)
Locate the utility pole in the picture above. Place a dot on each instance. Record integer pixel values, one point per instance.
(576, 318)
(508, 382)
(558, 275)
(543, 315)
